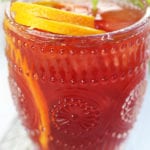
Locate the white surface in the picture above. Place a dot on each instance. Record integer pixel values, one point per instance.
(140, 137)
(7, 111)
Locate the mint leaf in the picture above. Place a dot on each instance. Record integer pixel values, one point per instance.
(139, 3)
(148, 1)
(94, 3)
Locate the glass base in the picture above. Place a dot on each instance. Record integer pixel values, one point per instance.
(16, 137)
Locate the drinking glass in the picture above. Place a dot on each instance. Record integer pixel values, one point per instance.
(78, 92)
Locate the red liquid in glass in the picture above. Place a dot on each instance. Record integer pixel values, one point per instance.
(91, 88)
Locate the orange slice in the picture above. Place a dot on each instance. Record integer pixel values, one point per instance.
(52, 13)
(54, 26)
(50, 4)
(39, 99)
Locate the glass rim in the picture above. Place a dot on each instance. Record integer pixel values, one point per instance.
(105, 36)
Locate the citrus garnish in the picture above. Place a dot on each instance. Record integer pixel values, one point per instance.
(50, 3)
(39, 99)
(53, 20)
(53, 26)
(53, 13)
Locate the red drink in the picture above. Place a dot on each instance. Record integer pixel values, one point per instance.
(79, 93)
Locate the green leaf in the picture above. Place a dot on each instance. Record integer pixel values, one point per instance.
(139, 3)
(94, 3)
(148, 1)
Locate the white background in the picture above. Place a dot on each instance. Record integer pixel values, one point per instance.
(7, 111)
(140, 137)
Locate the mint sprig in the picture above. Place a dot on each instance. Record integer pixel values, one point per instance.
(139, 3)
(148, 1)
(94, 3)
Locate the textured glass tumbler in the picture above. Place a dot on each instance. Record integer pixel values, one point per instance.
(77, 92)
